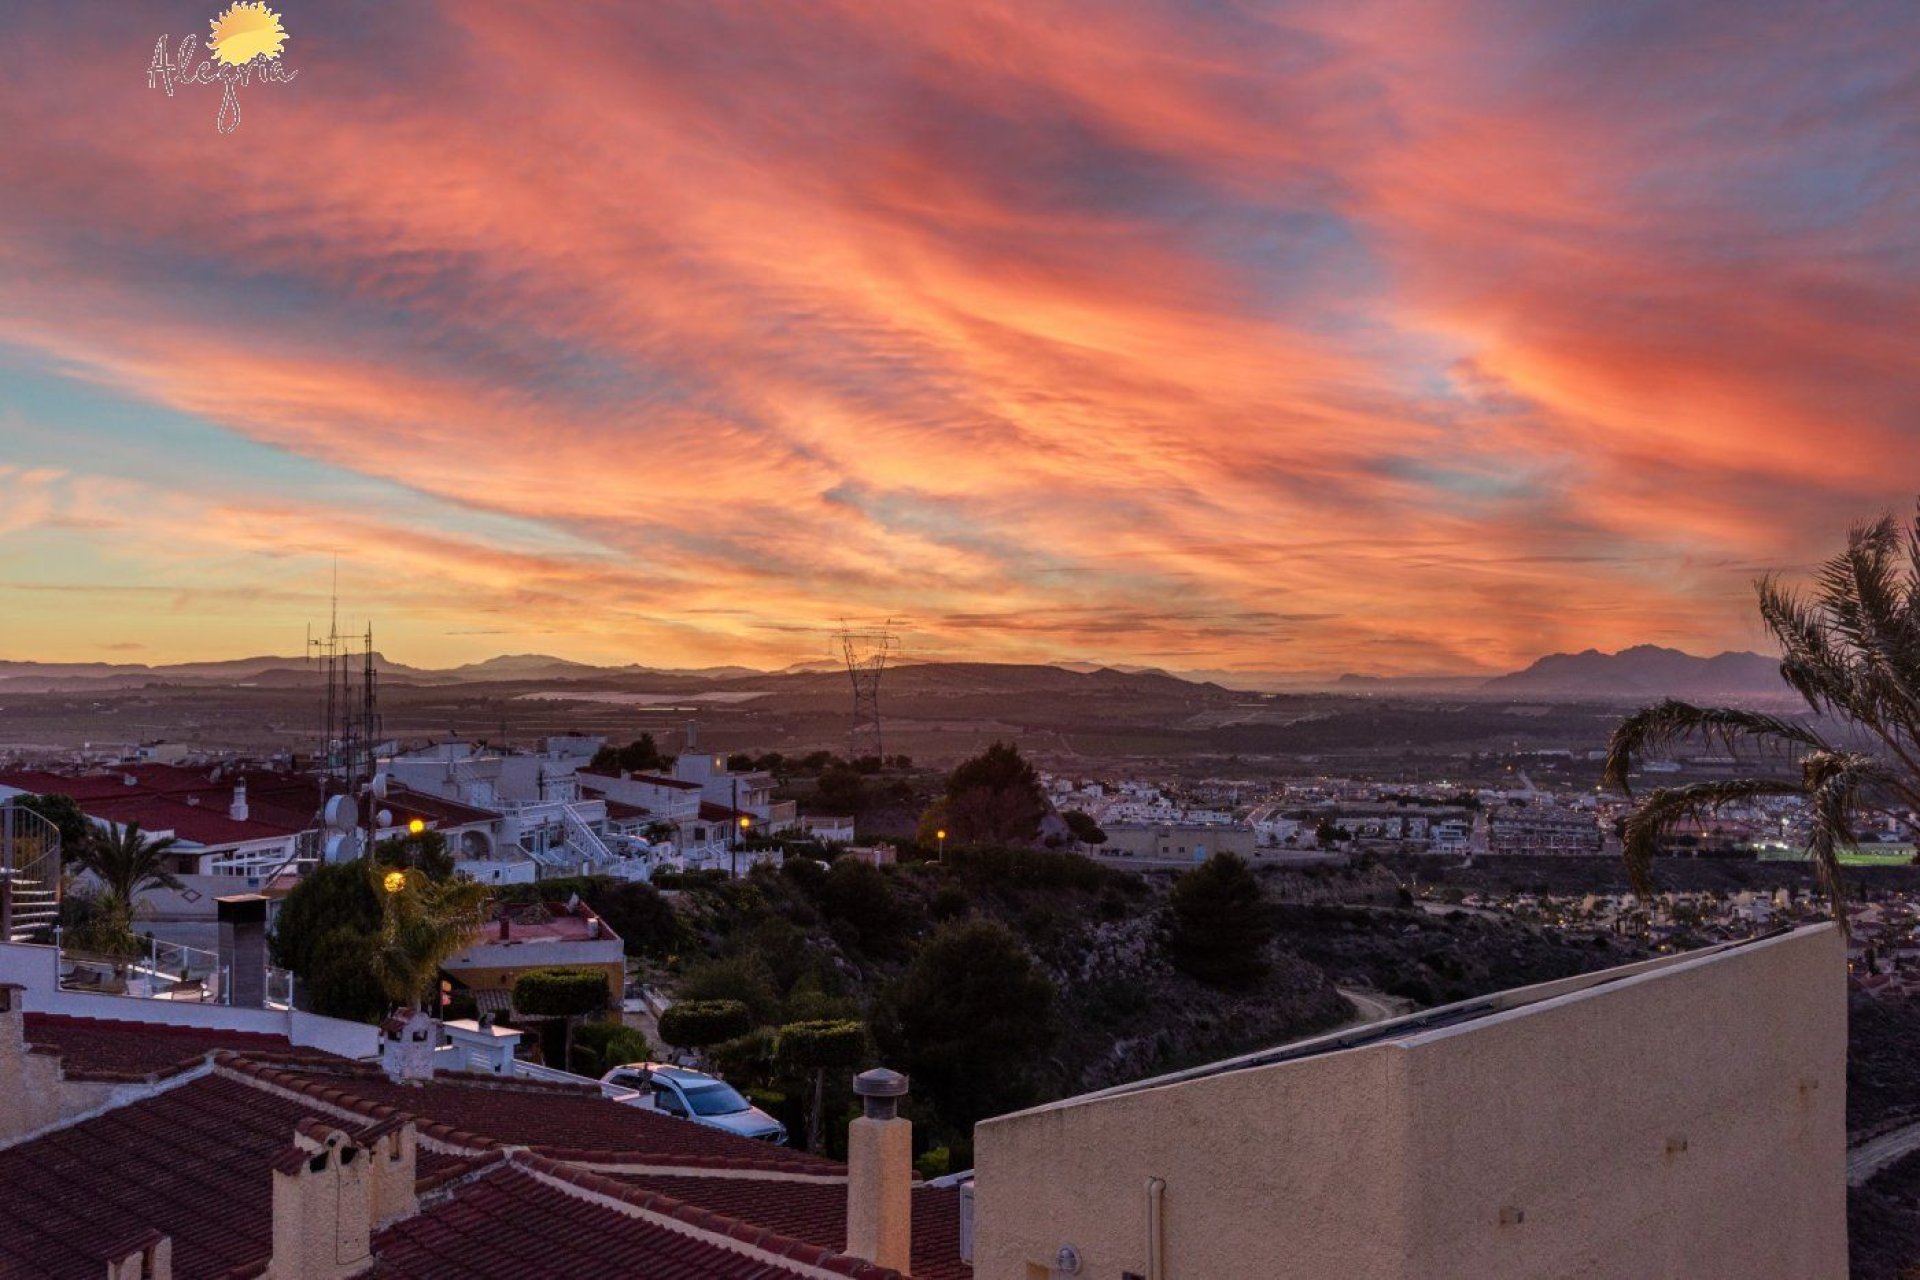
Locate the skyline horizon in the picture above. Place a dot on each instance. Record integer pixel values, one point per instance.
(829, 664)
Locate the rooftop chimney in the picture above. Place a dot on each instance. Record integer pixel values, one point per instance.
(392, 1150)
(880, 1173)
(322, 1206)
(243, 948)
(238, 809)
(407, 1042)
(29, 1081)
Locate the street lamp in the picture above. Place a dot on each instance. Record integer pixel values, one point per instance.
(745, 822)
(941, 836)
(415, 827)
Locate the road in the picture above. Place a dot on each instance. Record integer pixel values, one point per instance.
(1872, 1156)
(1369, 1007)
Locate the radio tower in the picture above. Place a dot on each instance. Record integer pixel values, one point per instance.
(866, 652)
(350, 709)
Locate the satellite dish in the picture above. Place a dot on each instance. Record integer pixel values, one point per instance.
(343, 846)
(380, 782)
(341, 813)
(384, 818)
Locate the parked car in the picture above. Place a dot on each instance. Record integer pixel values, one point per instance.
(696, 1096)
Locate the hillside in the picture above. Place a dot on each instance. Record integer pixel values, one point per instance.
(1645, 671)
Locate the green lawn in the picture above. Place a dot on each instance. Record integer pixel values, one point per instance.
(1880, 855)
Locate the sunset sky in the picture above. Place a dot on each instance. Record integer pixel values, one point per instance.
(1373, 335)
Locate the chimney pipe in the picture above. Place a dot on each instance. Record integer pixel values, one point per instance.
(238, 809)
(243, 949)
(880, 1173)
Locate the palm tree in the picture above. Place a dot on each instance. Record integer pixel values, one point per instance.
(1850, 647)
(422, 923)
(126, 862)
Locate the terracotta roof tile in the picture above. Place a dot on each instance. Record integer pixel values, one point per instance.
(509, 1225)
(102, 1049)
(817, 1212)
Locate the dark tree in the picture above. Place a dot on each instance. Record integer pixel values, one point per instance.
(809, 1051)
(1221, 925)
(76, 832)
(1084, 828)
(968, 1021)
(324, 933)
(857, 894)
(567, 994)
(642, 755)
(599, 1047)
(427, 851)
(841, 790)
(700, 1024)
(995, 798)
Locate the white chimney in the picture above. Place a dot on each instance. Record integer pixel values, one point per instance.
(407, 1042)
(238, 809)
(880, 1173)
(322, 1206)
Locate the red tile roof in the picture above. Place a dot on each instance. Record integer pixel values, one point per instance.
(192, 1162)
(509, 1224)
(97, 1049)
(555, 1120)
(817, 1213)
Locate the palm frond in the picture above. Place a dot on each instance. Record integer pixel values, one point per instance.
(1655, 728)
(1662, 809)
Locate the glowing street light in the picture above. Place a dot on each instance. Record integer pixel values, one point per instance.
(394, 881)
(415, 827)
(941, 836)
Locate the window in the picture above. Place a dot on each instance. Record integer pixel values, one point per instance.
(668, 1101)
(715, 1098)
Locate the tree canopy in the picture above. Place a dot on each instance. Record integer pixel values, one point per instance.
(642, 755)
(1084, 828)
(968, 1020)
(699, 1024)
(76, 831)
(1221, 925)
(995, 798)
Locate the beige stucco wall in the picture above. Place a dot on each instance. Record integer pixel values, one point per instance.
(1686, 1120)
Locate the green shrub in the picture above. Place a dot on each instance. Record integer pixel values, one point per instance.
(599, 1047)
(560, 992)
(696, 1024)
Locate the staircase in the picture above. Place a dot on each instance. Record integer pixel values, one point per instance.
(30, 863)
(583, 839)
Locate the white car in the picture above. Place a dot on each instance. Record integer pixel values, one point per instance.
(695, 1096)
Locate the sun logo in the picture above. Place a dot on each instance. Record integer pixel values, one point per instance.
(247, 30)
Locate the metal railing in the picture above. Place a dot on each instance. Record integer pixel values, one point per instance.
(149, 969)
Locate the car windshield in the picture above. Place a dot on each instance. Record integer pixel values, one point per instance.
(714, 1099)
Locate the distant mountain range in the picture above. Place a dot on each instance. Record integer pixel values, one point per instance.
(1646, 671)
(1640, 672)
